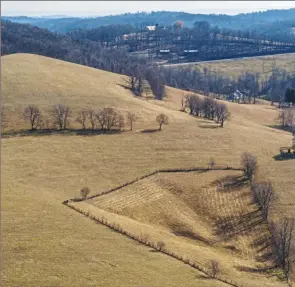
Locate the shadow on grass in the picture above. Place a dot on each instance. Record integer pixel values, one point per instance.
(209, 126)
(229, 226)
(67, 132)
(254, 270)
(149, 131)
(285, 156)
(263, 247)
(124, 86)
(231, 183)
(281, 128)
(204, 277)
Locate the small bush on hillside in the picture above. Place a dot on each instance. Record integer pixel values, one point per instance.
(160, 245)
(84, 192)
(162, 119)
(211, 163)
(249, 165)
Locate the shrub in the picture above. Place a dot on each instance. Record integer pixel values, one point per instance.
(160, 245)
(211, 163)
(84, 192)
(162, 119)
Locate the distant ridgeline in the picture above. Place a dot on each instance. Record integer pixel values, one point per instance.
(173, 43)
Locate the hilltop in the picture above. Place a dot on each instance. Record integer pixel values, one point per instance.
(42, 171)
(264, 20)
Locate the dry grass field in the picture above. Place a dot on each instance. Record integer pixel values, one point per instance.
(260, 64)
(48, 244)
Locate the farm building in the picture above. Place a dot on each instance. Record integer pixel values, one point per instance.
(236, 96)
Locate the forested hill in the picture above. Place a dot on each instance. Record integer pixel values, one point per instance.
(250, 21)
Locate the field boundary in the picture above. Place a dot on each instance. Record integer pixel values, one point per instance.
(115, 227)
(168, 170)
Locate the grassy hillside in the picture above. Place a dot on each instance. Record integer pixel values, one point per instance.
(49, 244)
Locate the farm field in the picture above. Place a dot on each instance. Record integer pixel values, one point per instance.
(235, 67)
(51, 245)
(193, 217)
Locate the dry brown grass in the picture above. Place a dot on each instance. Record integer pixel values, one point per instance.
(236, 67)
(48, 244)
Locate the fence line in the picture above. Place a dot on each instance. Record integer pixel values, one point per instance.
(168, 170)
(117, 228)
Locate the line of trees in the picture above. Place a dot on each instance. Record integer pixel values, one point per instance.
(106, 118)
(208, 108)
(283, 230)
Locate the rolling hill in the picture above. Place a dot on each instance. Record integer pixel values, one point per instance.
(49, 244)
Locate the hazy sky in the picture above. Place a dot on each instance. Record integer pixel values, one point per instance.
(97, 8)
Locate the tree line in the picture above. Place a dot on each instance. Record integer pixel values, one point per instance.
(282, 230)
(106, 118)
(251, 84)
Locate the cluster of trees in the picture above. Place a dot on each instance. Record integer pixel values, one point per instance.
(106, 118)
(250, 84)
(143, 78)
(283, 230)
(208, 108)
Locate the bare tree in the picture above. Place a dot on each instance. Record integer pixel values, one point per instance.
(283, 236)
(109, 118)
(33, 114)
(3, 117)
(214, 268)
(263, 194)
(131, 118)
(81, 118)
(101, 117)
(84, 192)
(222, 113)
(61, 114)
(162, 119)
(92, 118)
(282, 116)
(211, 163)
(249, 165)
(195, 104)
(183, 104)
